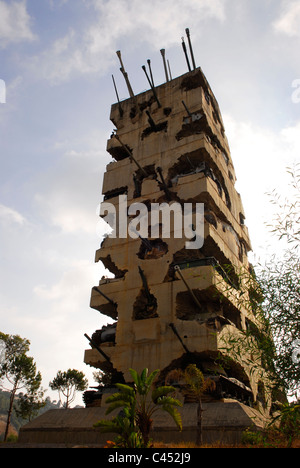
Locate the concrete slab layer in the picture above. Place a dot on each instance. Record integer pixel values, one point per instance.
(222, 421)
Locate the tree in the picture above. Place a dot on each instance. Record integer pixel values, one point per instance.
(279, 279)
(139, 402)
(29, 405)
(103, 378)
(270, 345)
(68, 383)
(17, 368)
(196, 386)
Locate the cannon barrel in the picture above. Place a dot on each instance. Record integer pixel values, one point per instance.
(151, 86)
(130, 154)
(120, 107)
(150, 70)
(151, 121)
(163, 52)
(131, 93)
(186, 54)
(163, 184)
(93, 344)
(177, 269)
(190, 45)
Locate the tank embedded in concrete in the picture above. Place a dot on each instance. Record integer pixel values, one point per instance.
(170, 150)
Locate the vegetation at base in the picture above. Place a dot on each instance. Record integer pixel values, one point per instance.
(195, 385)
(17, 421)
(21, 395)
(19, 370)
(283, 430)
(269, 346)
(138, 403)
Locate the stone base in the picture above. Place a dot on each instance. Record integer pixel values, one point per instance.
(223, 421)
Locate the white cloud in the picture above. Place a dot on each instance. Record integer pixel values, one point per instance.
(67, 195)
(91, 50)
(15, 23)
(261, 157)
(9, 215)
(68, 291)
(288, 22)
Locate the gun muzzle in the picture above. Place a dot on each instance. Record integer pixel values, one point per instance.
(149, 65)
(117, 94)
(186, 54)
(151, 86)
(163, 53)
(190, 45)
(131, 93)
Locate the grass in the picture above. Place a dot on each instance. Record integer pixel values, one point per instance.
(258, 442)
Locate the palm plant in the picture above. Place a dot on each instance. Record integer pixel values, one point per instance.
(196, 386)
(139, 402)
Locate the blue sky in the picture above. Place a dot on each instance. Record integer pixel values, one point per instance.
(56, 59)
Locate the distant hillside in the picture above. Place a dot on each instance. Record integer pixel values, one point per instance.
(17, 422)
(12, 430)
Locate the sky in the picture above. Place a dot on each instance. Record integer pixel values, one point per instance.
(57, 58)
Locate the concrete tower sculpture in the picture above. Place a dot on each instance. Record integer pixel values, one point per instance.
(175, 291)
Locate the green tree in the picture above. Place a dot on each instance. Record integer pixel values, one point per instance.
(68, 383)
(29, 405)
(103, 378)
(139, 402)
(195, 385)
(18, 369)
(279, 280)
(269, 346)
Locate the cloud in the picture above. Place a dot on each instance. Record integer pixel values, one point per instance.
(261, 157)
(89, 50)
(65, 195)
(15, 23)
(11, 216)
(288, 22)
(67, 293)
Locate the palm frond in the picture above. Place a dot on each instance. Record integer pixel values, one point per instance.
(167, 400)
(116, 404)
(175, 415)
(108, 426)
(151, 377)
(125, 389)
(161, 391)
